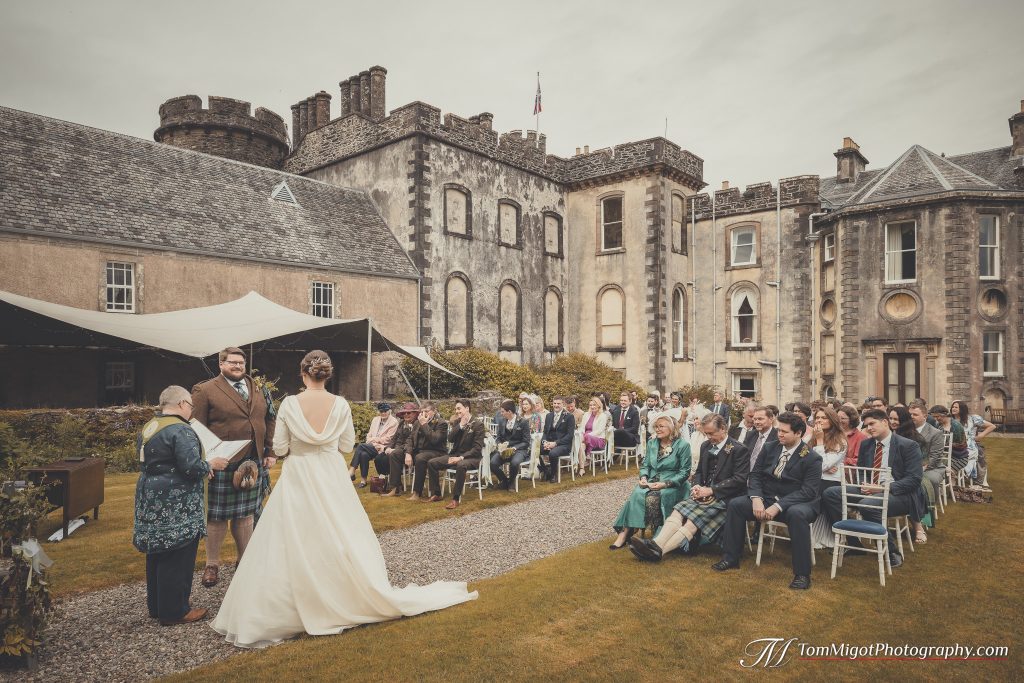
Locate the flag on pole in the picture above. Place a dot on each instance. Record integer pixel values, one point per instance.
(536, 100)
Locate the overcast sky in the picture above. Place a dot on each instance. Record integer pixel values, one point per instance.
(759, 90)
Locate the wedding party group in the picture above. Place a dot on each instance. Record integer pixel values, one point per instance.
(702, 480)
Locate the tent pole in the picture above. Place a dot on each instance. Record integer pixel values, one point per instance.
(369, 349)
(428, 382)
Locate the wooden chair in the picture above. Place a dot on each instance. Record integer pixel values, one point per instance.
(860, 529)
(770, 529)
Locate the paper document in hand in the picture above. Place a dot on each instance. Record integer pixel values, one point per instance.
(214, 447)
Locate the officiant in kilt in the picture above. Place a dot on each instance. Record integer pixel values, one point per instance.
(234, 408)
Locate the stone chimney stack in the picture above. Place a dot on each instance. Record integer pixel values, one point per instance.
(486, 120)
(364, 92)
(303, 119)
(850, 163)
(725, 184)
(323, 108)
(346, 97)
(296, 138)
(378, 79)
(354, 97)
(1017, 132)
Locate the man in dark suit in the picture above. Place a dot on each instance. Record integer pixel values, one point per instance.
(883, 449)
(429, 441)
(467, 436)
(626, 420)
(513, 435)
(400, 451)
(783, 486)
(763, 433)
(721, 476)
(746, 426)
(720, 407)
(559, 429)
(234, 408)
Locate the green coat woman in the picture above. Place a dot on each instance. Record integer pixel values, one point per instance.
(669, 465)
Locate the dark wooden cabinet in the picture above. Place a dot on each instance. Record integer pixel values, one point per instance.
(76, 486)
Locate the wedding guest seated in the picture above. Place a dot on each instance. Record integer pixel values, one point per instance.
(674, 407)
(467, 436)
(720, 407)
(933, 450)
(805, 412)
(783, 485)
(721, 476)
(572, 409)
(592, 430)
(746, 427)
(429, 441)
(849, 418)
(663, 483)
(378, 437)
(170, 508)
(513, 445)
(650, 409)
(901, 423)
(765, 433)
(626, 419)
(528, 411)
(828, 441)
(400, 451)
(882, 449)
(559, 428)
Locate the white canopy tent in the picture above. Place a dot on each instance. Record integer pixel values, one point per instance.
(196, 332)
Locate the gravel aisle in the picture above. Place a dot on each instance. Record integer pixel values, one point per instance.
(107, 635)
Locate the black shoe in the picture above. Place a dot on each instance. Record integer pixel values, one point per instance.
(895, 560)
(616, 547)
(643, 550)
(723, 565)
(853, 552)
(800, 583)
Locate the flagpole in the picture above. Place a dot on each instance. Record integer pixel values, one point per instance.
(538, 109)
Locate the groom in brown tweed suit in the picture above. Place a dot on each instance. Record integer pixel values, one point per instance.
(232, 407)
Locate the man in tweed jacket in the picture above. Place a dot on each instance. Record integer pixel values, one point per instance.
(233, 408)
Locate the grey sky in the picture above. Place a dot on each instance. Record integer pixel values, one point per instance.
(759, 90)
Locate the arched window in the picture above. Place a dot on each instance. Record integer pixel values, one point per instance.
(510, 316)
(679, 223)
(611, 319)
(744, 316)
(508, 222)
(679, 322)
(552, 234)
(458, 303)
(458, 211)
(553, 320)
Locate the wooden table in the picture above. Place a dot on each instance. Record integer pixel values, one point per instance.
(74, 485)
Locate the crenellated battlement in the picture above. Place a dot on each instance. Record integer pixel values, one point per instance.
(318, 143)
(225, 128)
(756, 197)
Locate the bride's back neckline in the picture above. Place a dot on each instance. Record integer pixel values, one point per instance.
(327, 417)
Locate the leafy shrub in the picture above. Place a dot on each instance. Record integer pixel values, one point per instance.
(705, 393)
(481, 370)
(583, 375)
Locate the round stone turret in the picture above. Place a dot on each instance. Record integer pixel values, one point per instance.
(225, 129)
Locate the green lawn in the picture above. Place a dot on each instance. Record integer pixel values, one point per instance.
(591, 614)
(100, 554)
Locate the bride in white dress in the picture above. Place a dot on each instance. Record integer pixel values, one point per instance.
(313, 564)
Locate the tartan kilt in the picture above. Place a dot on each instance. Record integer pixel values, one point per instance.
(225, 502)
(708, 518)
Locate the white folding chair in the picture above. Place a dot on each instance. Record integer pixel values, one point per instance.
(572, 462)
(771, 529)
(529, 469)
(947, 478)
(859, 529)
(603, 457)
(474, 479)
(901, 525)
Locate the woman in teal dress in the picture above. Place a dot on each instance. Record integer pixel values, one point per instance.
(663, 483)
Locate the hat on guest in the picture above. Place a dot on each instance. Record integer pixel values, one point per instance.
(938, 410)
(408, 408)
(383, 407)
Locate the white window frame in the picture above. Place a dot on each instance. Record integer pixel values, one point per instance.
(679, 324)
(998, 352)
(734, 303)
(621, 222)
(115, 369)
(829, 247)
(741, 375)
(736, 232)
(993, 247)
(318, 306)
(888, 254)
(127, 305)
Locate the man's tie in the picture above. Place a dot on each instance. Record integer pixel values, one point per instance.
(242, 390)
(783, 459)
(878, 461)
(757, 449)
(622, 419)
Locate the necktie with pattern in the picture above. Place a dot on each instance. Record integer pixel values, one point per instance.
(622, 419)
(783, 459)
(242, 390)
(878, 461)
(757, 448)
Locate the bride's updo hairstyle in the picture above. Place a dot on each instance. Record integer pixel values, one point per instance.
(317, 364)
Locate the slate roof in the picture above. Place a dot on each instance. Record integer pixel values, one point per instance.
(920, 172)
(70, 180)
